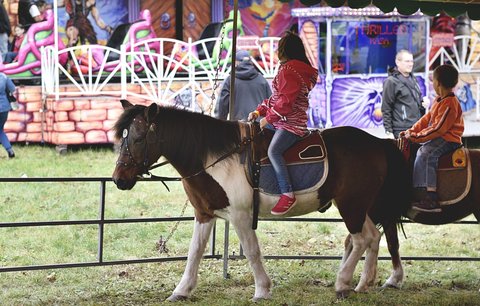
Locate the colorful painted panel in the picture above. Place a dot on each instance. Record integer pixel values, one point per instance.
(90, 22)
(357, 102)
(163, 16)
(266, 18)
(370, 46)
(196, 16)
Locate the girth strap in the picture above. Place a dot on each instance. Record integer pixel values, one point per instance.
(248, 131)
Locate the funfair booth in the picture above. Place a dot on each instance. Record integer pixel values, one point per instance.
(356, 47)
(144, 55)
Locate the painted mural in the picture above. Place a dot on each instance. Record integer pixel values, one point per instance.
(266, 18)
(90, 22)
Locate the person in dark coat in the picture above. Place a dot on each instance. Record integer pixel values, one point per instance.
(250, 89)
(401, 97)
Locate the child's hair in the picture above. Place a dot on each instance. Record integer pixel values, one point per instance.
(446, 75)
(20, 26)
(291, 47)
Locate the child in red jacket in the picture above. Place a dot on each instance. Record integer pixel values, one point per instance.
(440, 131)
(286, 111)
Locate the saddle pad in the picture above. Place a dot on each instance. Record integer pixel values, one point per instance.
(454, 177)
(309, 149)
(304, 177)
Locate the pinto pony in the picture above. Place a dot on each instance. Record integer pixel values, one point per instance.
(367, 181)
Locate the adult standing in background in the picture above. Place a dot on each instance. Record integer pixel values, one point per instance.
(5, 30)
(401, 97)
(5, 84)
(250, 89)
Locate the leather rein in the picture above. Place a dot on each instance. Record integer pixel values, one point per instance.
(145, 169)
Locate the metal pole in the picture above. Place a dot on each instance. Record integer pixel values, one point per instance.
(226, 243)
(101, 222)
(234, 50)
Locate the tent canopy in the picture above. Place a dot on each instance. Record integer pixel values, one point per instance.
(408, 7)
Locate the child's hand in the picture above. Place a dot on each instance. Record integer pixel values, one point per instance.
(426, 102)
(404, 134)
(252, 116)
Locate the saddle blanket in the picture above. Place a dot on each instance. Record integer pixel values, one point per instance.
(307, 165)
(304, 177)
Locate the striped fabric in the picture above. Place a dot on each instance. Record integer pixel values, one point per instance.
(287, 107)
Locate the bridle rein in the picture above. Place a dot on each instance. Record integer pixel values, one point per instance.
(145, 169)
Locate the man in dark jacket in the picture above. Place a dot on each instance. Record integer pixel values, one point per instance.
(5, 30)
(401, 97)
(251, 88)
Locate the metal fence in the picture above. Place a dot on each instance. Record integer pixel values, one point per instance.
(101, 221)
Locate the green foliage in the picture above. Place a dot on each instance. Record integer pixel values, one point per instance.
(296, 282)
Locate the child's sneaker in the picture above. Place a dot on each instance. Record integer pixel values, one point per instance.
(283, 205)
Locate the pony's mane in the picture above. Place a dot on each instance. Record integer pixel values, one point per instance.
(188, 136)
(126, 119)
(193, 136)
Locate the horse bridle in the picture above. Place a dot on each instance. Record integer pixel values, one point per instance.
(145, 169)
(131, 161)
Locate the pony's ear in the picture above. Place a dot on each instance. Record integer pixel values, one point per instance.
(126, 104)
(151, 112)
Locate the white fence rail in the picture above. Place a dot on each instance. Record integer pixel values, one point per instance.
(152, 65)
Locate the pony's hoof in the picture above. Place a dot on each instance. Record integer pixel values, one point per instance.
(343, 294)
(177, 298)
(260, 298)
(390, 286)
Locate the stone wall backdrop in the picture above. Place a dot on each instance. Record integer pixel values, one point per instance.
(79, 120)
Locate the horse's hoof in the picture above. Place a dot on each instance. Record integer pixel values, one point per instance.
(343, 294)
(260, 298)
(390, 286)
(177, 298)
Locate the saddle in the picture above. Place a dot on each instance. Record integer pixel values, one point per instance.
(454, 173)
(306, 161)
(454, 176)
(309, 149)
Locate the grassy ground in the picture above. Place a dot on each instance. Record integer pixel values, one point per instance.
(296, 282)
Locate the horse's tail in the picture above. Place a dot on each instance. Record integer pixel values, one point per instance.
(396, 193)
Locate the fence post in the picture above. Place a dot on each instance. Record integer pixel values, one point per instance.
(101, 222)
(225, 250)
(123, 74)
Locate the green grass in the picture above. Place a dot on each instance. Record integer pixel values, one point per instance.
(296, 282)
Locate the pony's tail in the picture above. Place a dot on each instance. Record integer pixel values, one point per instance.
(397, 192)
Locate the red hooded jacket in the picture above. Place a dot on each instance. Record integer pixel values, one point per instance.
(287, 107)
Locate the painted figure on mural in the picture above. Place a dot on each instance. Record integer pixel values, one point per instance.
(266, 17)
(78, 27)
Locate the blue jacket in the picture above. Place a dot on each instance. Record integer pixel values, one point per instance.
(5, 83)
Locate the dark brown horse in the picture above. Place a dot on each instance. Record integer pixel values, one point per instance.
(461, 182)
(367, 181)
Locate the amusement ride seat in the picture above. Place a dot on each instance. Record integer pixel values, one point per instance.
(28, 61)
(125, 34)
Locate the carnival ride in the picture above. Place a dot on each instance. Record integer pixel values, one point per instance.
(99, 58)
(28, 62)
(340, 42)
